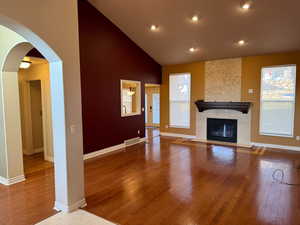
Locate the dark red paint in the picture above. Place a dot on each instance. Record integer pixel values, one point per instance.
(106, 56)
(35, 53)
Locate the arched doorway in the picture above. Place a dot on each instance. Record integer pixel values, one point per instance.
(69, 181)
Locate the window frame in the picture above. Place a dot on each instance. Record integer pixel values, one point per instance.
(190, 95)
(261, 101)
(138, 111)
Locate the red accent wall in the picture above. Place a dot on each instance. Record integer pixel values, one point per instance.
(106, 56)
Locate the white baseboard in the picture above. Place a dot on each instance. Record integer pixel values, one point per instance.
(109, 149)
(177, 135)
(11, 181)
(49, 158)
(285, 147)
(69, 208)
(102, 151)
(3, 181)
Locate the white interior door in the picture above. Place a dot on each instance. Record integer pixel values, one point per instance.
(152, 106)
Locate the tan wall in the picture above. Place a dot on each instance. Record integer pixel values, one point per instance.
(250, 79)
(197, 92)
(251, 73)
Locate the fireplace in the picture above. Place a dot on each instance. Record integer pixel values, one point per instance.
(222, 130)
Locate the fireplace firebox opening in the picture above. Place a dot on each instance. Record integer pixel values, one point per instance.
(222, 130)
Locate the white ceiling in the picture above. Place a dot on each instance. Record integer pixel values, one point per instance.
(269, 26)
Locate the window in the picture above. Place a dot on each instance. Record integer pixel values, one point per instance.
(179, 97)
(130, 98)
(277, 103)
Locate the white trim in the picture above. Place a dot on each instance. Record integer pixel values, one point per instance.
(189, 100)
(3, 181)
(138, 94)
(11, 181)
(261, 101)
(110, 149)
(277, 135)
(49, 158)
(179, 127)
(70, 208)
(103, 151)
(177, 135)
(285, 147)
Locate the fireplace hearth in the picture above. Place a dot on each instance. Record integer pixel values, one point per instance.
(222, 130)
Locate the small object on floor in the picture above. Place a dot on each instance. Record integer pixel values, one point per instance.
(280, 179)
(79, 217)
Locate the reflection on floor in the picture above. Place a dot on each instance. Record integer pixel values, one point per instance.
(35, 163)
(172, 182)
(152, 132)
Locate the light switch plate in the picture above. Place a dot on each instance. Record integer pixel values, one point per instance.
(250, 91)
(73, 129)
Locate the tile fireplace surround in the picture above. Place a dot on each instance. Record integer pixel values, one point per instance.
(243, 124)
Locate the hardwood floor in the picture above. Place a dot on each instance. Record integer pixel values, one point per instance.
(172, 182)
(35, 163)
(152, 132)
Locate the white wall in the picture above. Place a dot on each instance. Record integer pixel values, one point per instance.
(56, 23)
(8, 40)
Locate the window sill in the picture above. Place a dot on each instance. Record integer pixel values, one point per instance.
(178, 127)
(277, 135)
(131, 114)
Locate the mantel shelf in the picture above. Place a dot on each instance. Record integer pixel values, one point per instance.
(237, 106)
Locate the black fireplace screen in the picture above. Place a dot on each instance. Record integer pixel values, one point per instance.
(222, 130)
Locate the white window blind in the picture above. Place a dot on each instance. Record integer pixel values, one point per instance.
(277, 103)
(179, 97)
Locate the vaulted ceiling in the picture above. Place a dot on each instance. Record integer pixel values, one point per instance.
(269, 26)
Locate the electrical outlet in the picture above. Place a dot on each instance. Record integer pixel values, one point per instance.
(298, 138)
(250, 91)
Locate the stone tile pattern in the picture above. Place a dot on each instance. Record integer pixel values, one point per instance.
(223, 80)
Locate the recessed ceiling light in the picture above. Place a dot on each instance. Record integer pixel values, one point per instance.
(241, 42)
(192, 49)
(25, 64)
(195, 19)
(246, 4)
(154, 27)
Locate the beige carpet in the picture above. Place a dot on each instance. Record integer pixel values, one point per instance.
(79, 217)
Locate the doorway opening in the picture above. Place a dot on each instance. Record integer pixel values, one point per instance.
(35, 111)
(152, 110)
(16, 41)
